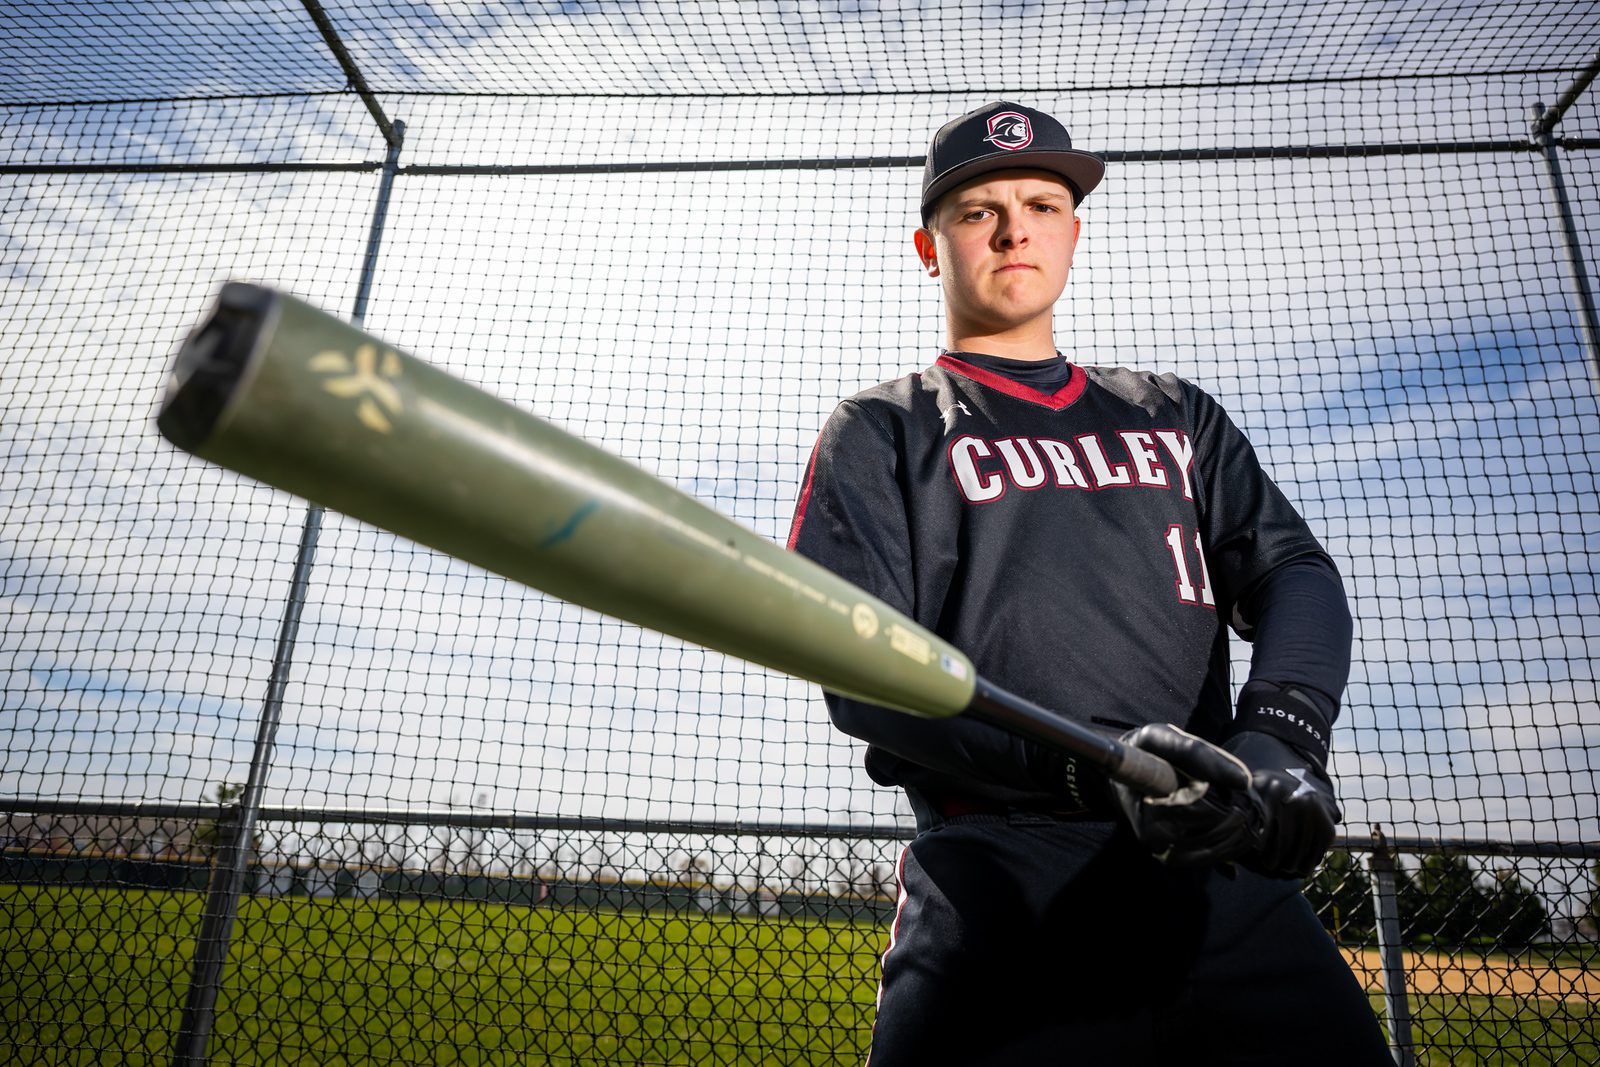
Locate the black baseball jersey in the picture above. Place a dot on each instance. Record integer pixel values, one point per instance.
(1088, 550)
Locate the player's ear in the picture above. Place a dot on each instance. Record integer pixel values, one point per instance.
(927, 251)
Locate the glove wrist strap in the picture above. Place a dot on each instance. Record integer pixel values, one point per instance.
(1286, 714)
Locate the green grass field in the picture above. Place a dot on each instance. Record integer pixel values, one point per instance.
(97, 977)
(1474, 1030)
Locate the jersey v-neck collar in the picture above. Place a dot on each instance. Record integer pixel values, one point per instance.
(1061, 398)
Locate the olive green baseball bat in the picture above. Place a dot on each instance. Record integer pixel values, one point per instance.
(272, 388)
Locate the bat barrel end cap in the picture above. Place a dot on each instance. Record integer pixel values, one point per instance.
(212, 362)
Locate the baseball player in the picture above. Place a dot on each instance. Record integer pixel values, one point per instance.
(1088, 535)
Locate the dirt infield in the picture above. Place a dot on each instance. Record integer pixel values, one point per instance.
(1441, 972)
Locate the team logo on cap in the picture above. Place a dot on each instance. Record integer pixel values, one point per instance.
(1010, 131)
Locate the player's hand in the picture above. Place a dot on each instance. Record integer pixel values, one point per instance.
(1213, 817)
(1298, 803)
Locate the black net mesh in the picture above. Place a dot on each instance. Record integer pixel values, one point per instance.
(681, 230)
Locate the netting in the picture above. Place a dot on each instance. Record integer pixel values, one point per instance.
(681, 230)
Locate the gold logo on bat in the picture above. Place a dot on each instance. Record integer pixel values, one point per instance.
(910, 645)
(865, 620)
(367, 379)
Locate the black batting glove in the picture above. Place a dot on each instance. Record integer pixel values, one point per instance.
(1281, 735)
(1214, 815)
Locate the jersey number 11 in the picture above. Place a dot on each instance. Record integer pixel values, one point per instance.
(1180, 559)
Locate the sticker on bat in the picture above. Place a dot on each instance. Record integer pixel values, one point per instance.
(366, 379)
(910, 645)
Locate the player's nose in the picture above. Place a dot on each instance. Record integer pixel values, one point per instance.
(1011, 231)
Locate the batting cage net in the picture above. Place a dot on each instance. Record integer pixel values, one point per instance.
(282, 788)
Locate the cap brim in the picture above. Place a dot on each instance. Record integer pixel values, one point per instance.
(1081, 169)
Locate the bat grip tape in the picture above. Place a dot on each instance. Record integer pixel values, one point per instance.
(1143, 772)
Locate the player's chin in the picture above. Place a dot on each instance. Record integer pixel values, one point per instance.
(1026, 287)
(1018, 304)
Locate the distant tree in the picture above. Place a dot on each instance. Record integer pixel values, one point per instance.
(884, 883)
(1515, 916)
(694, 871)
(1452, 903)
(1444, 901)
(208, 832)
(599, 862)
(793, 870)
(1589, 921)
(526, 865)
(1341, 893)
(565, 860)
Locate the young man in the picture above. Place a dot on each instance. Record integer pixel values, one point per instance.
(1087, 535)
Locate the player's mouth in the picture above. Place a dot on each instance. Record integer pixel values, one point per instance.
(1014, 266)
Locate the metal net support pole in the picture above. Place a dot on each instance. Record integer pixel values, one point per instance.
(238, 828)
(1543, 124)
(1386, 903)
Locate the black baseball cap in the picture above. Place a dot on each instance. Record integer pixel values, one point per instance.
(1004, 136)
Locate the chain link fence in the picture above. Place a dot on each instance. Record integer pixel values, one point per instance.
(427, 937)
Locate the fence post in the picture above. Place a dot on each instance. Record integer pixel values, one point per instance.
(1386, 904)
(228, 876)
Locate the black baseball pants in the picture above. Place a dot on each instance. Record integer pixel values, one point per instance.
(1022, 939)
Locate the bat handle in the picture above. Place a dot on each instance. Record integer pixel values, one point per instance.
(1139, 770)
(1143, 772)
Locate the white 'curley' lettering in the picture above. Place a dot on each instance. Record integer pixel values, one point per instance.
(1104, 473)
(976, 486)
(1147, 467)
(1026, 473)
(1063, 464)
(1182, 450)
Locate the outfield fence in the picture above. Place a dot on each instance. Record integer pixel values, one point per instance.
(642, 943)
(277, 787)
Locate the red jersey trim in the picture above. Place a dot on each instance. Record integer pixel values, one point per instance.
(805, 498)
(1061, 398)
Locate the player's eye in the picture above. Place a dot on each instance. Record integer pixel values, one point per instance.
(977, 214)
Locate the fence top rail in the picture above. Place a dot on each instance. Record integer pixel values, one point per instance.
(685, 166)
(505, 820)
(391, 91)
